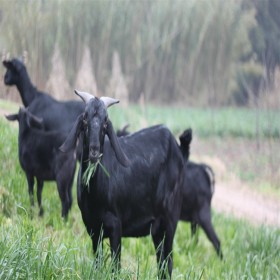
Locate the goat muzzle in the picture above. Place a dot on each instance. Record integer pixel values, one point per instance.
(94, 155)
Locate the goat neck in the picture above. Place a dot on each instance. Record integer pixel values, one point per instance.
(26, 89)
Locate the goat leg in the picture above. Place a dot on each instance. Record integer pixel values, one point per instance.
(30, 181)
(40, 184)
(206, 224)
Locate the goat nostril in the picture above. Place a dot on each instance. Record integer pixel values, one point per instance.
(94, 153)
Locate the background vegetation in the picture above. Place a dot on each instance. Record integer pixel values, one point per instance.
(193, 52)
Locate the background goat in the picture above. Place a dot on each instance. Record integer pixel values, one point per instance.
(56, 115)
(123, 131)
(198, 189)
(40, 157)
(142, 195)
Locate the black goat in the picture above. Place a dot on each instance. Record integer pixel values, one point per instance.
(40, 157)
(142, 194)
(56, 115)
(198, 189)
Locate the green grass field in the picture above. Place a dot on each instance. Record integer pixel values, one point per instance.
(222, 122)
(49, 248)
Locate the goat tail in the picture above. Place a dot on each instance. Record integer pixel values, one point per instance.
(211, 176)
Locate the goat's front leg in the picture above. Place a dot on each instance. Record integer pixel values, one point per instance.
(115, 242)
(63, 194)
(163, 235)
(30, 182)
(168, 243)
(40, 184)
(97, 244)
(194, 232)
(193, 228)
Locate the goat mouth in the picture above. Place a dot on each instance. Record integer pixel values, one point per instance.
(94, 158)
(6, 81)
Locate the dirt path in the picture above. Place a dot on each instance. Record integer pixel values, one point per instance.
(234, 198)
(244, 203)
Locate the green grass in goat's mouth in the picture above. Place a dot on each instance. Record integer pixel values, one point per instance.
(90, 170)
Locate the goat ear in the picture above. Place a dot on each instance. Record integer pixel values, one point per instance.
(70, 141)
(7, 63)
(33, 121)
(122, 158)
(12, 117)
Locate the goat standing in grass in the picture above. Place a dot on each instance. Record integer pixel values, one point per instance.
(40, 157)
(56, 115)
(140, 193)
(198, 189)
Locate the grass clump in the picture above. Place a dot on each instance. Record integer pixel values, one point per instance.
(90, 170)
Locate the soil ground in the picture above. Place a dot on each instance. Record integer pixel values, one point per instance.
(236, 197)
(244, 203)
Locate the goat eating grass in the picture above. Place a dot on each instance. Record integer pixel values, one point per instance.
(142, 196)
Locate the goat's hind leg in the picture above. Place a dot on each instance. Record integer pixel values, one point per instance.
(206, 224)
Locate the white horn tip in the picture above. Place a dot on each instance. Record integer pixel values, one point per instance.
(84, 95)
(108, 101)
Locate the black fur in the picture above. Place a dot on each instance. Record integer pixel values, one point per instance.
(56, 115)
(142, 194)
(198, 188)
(40, 157)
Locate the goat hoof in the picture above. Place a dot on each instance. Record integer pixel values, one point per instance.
(41, 212)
